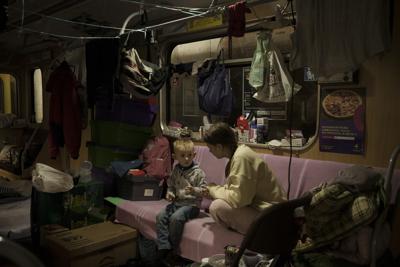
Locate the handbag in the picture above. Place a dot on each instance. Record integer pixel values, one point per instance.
(215, 92)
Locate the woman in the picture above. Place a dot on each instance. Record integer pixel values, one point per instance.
(249, 187)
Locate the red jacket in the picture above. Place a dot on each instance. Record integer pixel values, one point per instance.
(65, 121)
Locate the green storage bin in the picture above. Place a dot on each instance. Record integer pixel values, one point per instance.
(101, 156)
(108, 133)
(79, 201)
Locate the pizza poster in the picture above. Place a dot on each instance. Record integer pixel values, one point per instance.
(342, 120)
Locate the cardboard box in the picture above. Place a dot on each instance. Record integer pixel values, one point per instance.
(104, 244)
(48, 230)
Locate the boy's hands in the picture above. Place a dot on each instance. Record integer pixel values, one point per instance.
(205, 192)
(170, 197)
(189, 190)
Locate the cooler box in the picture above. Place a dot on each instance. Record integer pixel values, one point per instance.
(139, 188)
(104, 244)
(108, 133)
(128, 111)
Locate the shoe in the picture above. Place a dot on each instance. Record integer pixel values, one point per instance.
(163, 253)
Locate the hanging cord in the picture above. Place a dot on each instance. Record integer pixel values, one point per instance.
(291, 114)
(290, 135)
(65, 36)
(66, 20)
(292, 12)
(23, 14)
(207, 11)
(173, 8)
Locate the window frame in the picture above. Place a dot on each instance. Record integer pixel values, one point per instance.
(171, 41)
(17, 99)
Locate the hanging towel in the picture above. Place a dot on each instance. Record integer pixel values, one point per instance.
(65, 121)
(237, 19)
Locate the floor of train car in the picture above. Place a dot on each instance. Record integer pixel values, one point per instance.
(46, 258)
(386, 260)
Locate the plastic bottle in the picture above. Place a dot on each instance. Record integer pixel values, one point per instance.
(85, 172)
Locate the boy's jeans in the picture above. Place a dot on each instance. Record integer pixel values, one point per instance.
(170, 223)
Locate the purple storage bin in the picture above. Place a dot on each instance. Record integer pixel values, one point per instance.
(128, 111)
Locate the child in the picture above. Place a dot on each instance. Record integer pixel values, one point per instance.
(185, 187)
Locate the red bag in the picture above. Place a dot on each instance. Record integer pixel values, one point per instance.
(157, 157)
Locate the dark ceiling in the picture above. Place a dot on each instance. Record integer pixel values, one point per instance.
(33, 25)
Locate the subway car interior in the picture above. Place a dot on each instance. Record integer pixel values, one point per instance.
(199, 133)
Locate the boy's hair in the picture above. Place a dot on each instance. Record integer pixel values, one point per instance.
(221, 133)
(183, 145)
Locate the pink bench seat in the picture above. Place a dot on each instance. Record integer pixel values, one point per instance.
(202, 237)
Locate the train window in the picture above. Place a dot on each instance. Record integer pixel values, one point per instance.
(182, 104)
(38, 95)
(8, 94)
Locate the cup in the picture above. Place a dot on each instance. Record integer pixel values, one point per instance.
(230, 254)
(251, 258)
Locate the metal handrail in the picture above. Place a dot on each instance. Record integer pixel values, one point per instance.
(388, 192)
(18, 254)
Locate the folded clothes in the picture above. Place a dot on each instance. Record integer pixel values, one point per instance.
(122, 167)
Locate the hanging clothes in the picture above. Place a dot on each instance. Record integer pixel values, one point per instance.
(102, 61)
(65, 121)
(338, 36)
(237, 19)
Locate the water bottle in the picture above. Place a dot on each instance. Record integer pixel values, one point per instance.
(85, 172)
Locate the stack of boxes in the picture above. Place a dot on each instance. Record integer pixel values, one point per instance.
(120, 133)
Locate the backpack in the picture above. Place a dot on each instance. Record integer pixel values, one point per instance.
(156, 156)
(141, 78)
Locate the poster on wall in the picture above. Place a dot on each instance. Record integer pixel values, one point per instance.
(342, 120)
(272, 111)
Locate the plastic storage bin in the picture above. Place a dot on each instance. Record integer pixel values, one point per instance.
(108, 133)
(128, 111)
(139, 187)
(101, 156)
(79, 201)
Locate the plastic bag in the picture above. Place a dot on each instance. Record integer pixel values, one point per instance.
(49, 180)
(258, 64)
(276, 84)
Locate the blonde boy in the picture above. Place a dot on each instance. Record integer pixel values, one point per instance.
(185, 187)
